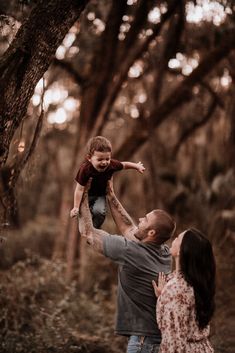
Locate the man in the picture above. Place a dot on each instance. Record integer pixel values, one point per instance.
(141, 255)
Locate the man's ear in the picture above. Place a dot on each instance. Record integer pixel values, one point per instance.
(88, 157)
(151, 235)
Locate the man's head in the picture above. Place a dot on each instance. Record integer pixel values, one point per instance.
(99, 151)
(157, 226)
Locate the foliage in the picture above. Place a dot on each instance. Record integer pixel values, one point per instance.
(42, 313)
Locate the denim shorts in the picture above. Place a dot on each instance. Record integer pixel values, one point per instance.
(143, 344)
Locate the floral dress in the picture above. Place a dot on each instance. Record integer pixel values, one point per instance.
(176, 318)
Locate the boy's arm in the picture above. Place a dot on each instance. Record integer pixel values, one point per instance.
(77, 199)
(94, 236)
(122, 219)
(137, 166)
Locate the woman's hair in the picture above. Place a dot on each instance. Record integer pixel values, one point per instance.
(197, 264)
(98, 143)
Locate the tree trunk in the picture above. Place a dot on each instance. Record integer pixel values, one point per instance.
(27, 59)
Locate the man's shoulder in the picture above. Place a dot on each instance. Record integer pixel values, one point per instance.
(165, 250)
(113, 240)
(160, 249)
(114, 247)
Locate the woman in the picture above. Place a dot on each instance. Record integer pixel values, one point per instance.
(186, 302)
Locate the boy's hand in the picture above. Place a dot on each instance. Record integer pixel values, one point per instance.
(74, 212)
(140, 167)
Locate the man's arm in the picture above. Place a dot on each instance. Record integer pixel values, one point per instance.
(122, 219)
(94, 236)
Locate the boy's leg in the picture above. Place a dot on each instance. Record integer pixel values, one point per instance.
(98, 210)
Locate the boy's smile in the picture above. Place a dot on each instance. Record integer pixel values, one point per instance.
(100, 160)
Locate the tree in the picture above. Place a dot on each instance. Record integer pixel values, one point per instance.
(27, 59)
(23, 64)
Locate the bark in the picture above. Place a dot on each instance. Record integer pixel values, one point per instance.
(7, 194)
(231, 115)
(231, 141)
(27, 59)
(9, 214)
(22, 163)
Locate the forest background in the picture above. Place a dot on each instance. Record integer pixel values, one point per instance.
(158, 79)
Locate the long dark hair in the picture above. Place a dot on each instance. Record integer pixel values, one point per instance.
(197, 264)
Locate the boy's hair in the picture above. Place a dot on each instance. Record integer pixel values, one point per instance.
(98, 143)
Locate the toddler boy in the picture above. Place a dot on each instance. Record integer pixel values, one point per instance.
(99, 166)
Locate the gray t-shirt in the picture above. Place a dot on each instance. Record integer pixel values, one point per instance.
(139, 263)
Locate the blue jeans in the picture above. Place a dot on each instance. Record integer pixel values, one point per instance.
(97, 206)
(143, 344)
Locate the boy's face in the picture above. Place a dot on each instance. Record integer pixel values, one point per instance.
(100, 160)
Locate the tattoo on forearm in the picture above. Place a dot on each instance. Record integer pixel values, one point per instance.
(125, 217)
(94, 236)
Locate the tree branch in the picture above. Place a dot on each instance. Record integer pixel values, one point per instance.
(134, 53)
(180, 94)
(102, 66)
(195, 126)
(142, 9)
(68, 67)
(171, 43)
(213, 94)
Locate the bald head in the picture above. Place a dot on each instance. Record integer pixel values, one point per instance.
(164, 226)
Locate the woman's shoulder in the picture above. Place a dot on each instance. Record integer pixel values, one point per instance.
(177, 287)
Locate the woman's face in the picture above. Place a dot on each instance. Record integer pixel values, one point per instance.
(176, 244)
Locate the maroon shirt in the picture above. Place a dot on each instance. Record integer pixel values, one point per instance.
(99, 179)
